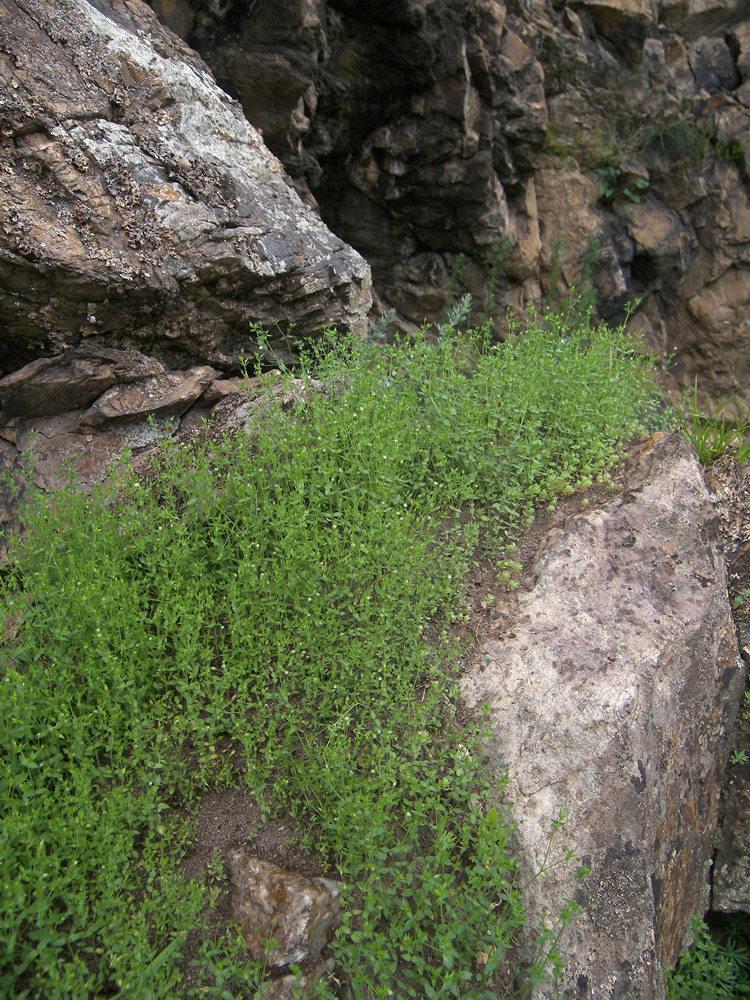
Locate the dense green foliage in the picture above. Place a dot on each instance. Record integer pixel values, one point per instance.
(711, 970)
(256, 613)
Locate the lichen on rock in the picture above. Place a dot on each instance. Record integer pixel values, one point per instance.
(139, 207)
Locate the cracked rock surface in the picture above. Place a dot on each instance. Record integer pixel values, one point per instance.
(516, 150)
(138, 208)
(612, 693)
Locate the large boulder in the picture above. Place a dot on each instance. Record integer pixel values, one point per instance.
(139, 209)
(611, 695)
(730, 886)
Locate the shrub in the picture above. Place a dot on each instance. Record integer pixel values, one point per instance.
(255, 613)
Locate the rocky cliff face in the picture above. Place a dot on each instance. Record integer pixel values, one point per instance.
(518, 148)
(512, 150)
(138, 208)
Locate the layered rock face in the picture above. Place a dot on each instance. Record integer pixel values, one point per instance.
(515, 149)
(138, 207)
(612, 694)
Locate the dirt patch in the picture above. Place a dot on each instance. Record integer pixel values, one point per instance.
(225, 818)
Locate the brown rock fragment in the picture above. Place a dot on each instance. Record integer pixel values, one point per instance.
(70, 381)
(162, 395)
(296, 914)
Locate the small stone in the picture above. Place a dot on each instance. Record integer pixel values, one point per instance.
(163, 395)
(296, 915)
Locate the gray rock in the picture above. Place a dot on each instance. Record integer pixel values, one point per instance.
(140, 209)
(730, 890)
(611, 696)
(730, 885)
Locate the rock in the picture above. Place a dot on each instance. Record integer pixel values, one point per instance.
(71, 380)
(730, 890)
(730, 885)
(292, 987)
(439, 162)
(51, 452)
(402, 153)
(694, 17)
(713, 65)
(575, 234)
(161, 395)
(662, 243)
(297, 914)
(611, 696)
(140, 209)
(84, 446)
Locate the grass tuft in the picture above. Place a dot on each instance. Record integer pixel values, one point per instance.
(716, 431)
(713, 969)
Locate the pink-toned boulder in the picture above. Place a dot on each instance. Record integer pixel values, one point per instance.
(612, 695)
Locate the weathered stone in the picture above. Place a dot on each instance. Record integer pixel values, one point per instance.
(740, 40)
(85, 445)
(626, 8)
(70, 381)
(730, 886)
(713, 66)
(178, 15)
(695, 17)
(139, 208)
(406, 164)
(730, 890)
(162, 395)
(611, 695)
(428, 161)
(284, 917)
(662, 242)
(571, 223)
(292, 987)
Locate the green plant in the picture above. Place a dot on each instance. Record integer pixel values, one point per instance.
(381, 325)
(739, 757)
(716, 432)
(265, 352)
(680, 142)
(611, 184)
(454, 279)
(709, 970)
(253, 613)
(576, 305)
(502, 250)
